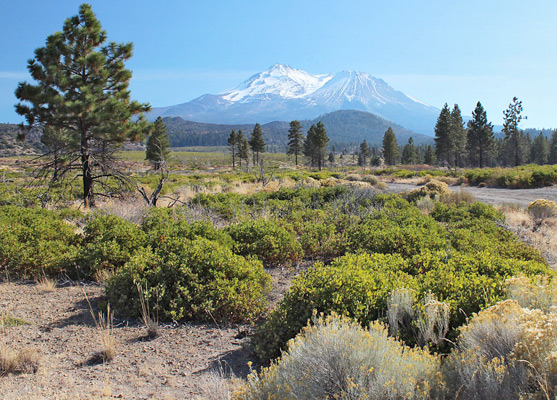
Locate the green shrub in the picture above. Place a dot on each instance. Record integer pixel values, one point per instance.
(359, 286)
(35, 242)
(109, 242)
(338, 359)
(354, 285)
(163, 223)
(191, 279)
(403, 230)
(266, 240)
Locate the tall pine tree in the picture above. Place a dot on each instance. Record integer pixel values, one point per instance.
(233, 143)
(391, 152)
(457, 137)
(514, 138)
(481, 141)
(410, 153)
(315, 145)
(82, 94)
(295, 140)
(443, 146)
(257, 143)
(364, 154)
(158, 145)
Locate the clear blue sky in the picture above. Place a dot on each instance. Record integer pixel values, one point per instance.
(437, 51)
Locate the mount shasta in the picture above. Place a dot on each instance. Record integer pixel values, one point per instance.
(285, 93)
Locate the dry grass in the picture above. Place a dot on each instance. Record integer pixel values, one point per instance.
(26, 360)
(218, 385)
(45, 284)
(151, 321)
(542, 237)
(105, 328)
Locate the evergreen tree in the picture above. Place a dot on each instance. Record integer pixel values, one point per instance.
(364, 154)
(82, 94)
(410, 153)
(391, 152)
(331, 157)
(443, 146)
(233, 143)
(514, 139)
(429, 156)
(295, 140)
(539, 152)
(481, 141)
(457, 137)
(243, 149)
(315, 145)
(552, 158)
(157, 145)
(257, 143)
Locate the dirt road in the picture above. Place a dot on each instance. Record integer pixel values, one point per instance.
(494, 196)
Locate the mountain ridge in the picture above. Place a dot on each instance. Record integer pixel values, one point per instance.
(285, 93)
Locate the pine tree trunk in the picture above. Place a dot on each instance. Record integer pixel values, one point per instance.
(88, 200)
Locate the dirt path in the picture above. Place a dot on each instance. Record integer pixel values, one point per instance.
(494, 196)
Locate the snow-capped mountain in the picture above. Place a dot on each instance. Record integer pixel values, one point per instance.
(285, 93)
(281, 80)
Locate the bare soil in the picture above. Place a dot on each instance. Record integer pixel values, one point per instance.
(493, 196)
(63, 332)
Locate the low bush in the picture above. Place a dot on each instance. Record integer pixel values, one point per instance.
(399, 228)
(191, 279)
(359, 286)
(433, 188)
(505, 352)
(354, 285)
(161, 223)
(338, 359)
(266, 240)
(109, 242)
(36, 242)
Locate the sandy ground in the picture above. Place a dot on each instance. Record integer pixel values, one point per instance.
(64, 334)
(493, 196)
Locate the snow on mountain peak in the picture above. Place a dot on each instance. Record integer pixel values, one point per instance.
(281, 80)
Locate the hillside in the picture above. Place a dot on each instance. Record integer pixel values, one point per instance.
(10, 145)
(345, 127)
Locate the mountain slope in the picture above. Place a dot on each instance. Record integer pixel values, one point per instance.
(345, 127)
(286, 93)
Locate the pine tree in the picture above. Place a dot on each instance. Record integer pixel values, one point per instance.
(315, 145)
(457, 137)
(410, 153)
(233, 143)
(481, 141)
(82, 93)
(243, 149)
(443, 146)
(539, 152)
(391, 152)
(364, 154)
(429, 156)
(157, 145)
(295, 140)
(257, 143)
(552, 158)
(331, 157)
(514, 139)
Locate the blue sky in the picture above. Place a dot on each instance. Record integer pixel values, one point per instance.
(436, 51)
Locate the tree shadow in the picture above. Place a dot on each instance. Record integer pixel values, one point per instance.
(233, 363)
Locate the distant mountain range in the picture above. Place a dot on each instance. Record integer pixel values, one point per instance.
(283, 93)
(344, 128)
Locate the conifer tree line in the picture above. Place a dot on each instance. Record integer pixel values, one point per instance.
(473, 145)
